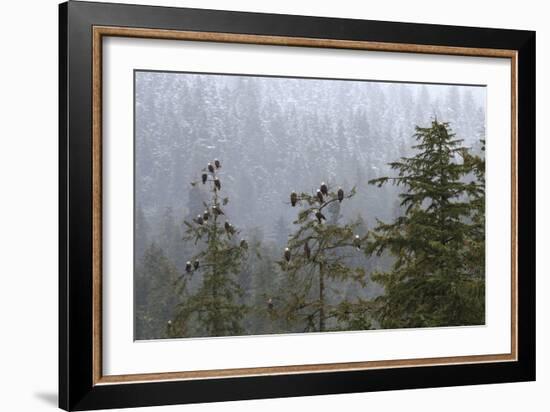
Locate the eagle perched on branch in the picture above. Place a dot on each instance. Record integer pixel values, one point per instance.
(340, 195)
(357, 242)
(320, 217)
(293, 199)
(319, 196)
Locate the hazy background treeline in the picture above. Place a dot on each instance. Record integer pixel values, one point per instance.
(273, 135)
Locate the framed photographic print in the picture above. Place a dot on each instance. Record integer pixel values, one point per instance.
(256, 205)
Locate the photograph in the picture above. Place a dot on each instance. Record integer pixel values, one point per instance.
(284, 205)
(269, 203)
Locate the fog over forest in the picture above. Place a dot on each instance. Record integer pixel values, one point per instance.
(274, 135)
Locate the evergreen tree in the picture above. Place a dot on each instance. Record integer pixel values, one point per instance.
(264, 276)
(476, 241)
(432, 281)
(317, 254)
(155, 295)
(215, 307)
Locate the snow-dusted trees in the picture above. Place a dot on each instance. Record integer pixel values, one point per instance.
(317, 256)
(214, 306)
(438, 243)
(274, 139)
(155, 297)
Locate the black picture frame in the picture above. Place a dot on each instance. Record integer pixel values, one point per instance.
(77, 390)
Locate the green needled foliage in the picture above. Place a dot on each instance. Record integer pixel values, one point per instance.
(437, 278)
(211, 303)
(156, 275)
(315, 258)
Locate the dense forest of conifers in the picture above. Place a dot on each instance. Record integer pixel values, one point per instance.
(337, 205)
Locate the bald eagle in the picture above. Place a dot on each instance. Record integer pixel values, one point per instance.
(217, 183)
(204, 178)
(229, 228)
(340, 195)
(188, 267)
(307, 250)
(320, 217)
(270, 304)
(217, 163)
(210, 168)
(319, 196)
(324, 188)
(287, 254)
(357, 242)
(293, 199)
(206, 215)
(199, 220)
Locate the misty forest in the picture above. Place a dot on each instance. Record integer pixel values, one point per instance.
(285, 205)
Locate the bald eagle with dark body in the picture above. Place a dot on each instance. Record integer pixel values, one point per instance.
(324, 188)
(319, 196)
(204, 178)
(217, 183)
(188, 267)
(206, 215)
(357, 242)
(229, 228)
(340, 195)
(320, 217)
(217, 163)
(293, 199)
(199, 220)
(210, 168)
(196, 264)
(287, 254)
